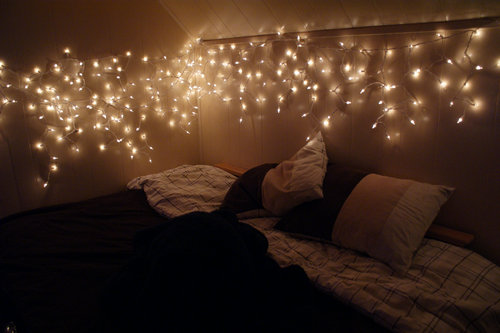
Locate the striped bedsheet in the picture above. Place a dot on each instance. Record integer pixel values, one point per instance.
(447, 288)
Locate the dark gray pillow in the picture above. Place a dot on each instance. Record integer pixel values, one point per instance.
(245, 193)
(316, 218)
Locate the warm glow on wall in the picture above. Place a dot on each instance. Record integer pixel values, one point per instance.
(307, 66)
(121, 93)
(117, 94)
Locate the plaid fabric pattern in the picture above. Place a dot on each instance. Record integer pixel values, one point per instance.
(185, 189)
(447, 288)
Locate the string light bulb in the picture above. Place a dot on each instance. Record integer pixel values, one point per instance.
(208, 67)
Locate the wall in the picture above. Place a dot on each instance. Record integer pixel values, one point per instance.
(241, 124)
(34, 33)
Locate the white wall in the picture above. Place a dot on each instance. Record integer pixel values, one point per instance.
(36, 32)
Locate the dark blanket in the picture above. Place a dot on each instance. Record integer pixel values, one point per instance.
(54, 261)
(206, 272)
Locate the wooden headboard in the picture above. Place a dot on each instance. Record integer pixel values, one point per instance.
(438, 232)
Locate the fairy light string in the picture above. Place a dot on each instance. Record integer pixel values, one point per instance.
(107, 91)
(121, 92)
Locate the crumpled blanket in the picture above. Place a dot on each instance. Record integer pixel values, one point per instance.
(206, 272)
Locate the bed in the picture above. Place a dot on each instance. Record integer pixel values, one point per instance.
(56, 262)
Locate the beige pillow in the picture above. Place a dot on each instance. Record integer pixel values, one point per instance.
(387, 218)
(297, 180)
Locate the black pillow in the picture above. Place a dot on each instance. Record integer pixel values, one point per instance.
(245, 193)
(316, 218)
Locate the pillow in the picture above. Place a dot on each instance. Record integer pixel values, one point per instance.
(383, 217)
(297, 180)
(245, 193)
(185, 189)
(387, 218)
(316, 218)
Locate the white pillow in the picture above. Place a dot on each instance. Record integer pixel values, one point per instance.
(297, 180)
(184, 189)
(387, 218)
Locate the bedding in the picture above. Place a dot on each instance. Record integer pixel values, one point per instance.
(245, 193)
(206, 272)
(57, 265)
(55, 262)
(445, 288)
(297, 180)
(184, 189)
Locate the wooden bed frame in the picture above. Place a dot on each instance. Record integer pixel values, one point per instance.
(438, 232)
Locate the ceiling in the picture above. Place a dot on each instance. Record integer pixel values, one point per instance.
(217, 19)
